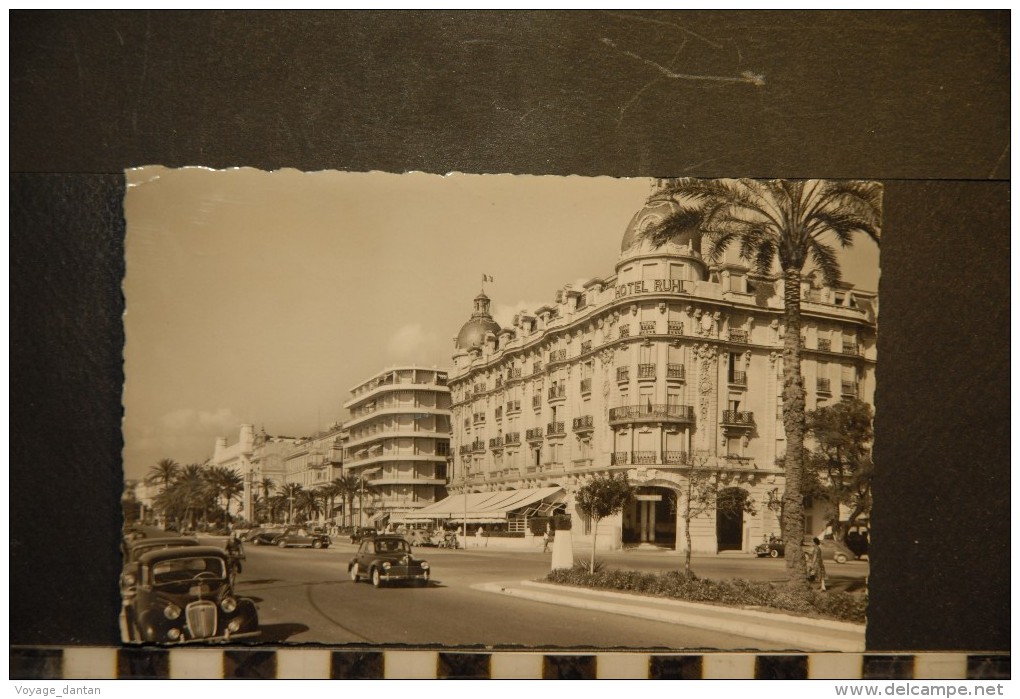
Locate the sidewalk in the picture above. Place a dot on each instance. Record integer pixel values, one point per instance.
(800, 632)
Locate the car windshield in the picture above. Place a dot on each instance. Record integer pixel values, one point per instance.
(181, 569)
(391, 546)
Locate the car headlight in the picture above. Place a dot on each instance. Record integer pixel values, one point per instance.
(228, 605)
(234, 625)
(424, 565)
(173, 634)
(386, 565)
(172, 611)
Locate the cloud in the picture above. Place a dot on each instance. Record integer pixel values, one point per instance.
(187, 419)
(412, 342)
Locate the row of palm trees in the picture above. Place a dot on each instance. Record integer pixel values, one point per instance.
(205, 493)
(789, 227)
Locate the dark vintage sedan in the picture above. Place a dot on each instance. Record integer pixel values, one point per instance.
(134, 552)
(301, 536)
(184, 595)
(773, 549)
(384, 559)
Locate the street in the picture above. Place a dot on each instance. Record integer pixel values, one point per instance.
(306, 596)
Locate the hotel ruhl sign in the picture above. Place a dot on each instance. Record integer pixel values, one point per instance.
(658, 286)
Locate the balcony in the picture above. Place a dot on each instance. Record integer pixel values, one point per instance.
(647, 327)
(479, 418)
(534, 434)
(559, 355)
(556, 392)
(675, 328)
(586, 347)
(619, 458)
(644, 457)
(851, 348)
(738, 336)
(675, 371)
(824, 345)
(495, 443)
(623, 373)
(624, 331)
(499, 382)
(651, 413)
(514, 373)
(738, 378)
(585, 423)
(479, 388)
(823, 386)
(850, 388)
(556, 428)
(586, 385)
(465, 449)
(512, 438)
(676, 458)
(738, 418)
(513, 406)
(477, 446)
(536, 367)
(646, 371)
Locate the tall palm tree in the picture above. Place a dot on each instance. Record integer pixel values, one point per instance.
(194, 491)
(267, 485)
(291, 492)
(226, 483)
(789, 225)
(347, 486)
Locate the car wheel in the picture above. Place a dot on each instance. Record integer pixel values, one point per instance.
(282, 544)
(316, 544)
(840, 558)
(376, 578)
(774, 553)
(355, 573)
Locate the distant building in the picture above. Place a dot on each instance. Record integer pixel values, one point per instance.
(398, 442)
(667, 362)
(255, 457)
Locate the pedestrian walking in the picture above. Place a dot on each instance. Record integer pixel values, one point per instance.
(547, 537)
(816, 563)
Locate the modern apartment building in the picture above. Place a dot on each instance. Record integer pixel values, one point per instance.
(668, 362)
(398, 441)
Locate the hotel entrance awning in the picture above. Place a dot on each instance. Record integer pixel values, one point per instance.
(486, 507)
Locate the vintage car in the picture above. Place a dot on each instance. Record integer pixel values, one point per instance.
(359, 533)
(301, 536)
(184, 595)
(135, 550)
(266, 535)
(387, 558)
(832, 550)
(774, 548)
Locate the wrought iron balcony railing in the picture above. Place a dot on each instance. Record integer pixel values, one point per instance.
(478, 445)
(513, 406)
(583, 423)
(513, 373)
(534, 433)
(738, 378)
(824, 345)
(495, 442)
(675, 328)
(619, 458)
(652, 411)
(823, 385)
(674, 371)
(623, 373)
(738, 417)
(646, 371)
(557, 355)
(851, 348)
(647, 327)
(512, 438)
(624, 331)
(586, 347)
(556, 428)
(557, 392)
(676, 457)
(738, 336)
(644, 457)
(850, 388)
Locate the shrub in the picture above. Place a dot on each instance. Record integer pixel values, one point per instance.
(844, 606)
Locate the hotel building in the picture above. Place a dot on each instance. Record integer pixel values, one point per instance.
(666, 363)
(398, 442)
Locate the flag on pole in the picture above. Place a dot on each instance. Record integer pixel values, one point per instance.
(487, 278)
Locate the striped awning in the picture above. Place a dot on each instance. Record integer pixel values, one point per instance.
(486, 507)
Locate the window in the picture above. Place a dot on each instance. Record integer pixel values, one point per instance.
(677, 271)
(649, 271)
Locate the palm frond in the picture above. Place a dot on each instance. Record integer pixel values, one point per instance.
(825, 259)
(680, 220)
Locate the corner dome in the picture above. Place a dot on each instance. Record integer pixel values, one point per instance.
(655, 212)
(472, 333)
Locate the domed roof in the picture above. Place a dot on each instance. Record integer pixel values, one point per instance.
(472, 333)
(654, 212)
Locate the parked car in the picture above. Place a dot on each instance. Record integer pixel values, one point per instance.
(774, 548)
(266, 535)
(832, 550)
(359, 533)
(388, 558)
(184, 595)
(135, 550)
(301, 536)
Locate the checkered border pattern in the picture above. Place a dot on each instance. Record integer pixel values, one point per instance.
(85, 663)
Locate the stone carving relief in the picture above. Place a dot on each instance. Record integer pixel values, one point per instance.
(706, 383)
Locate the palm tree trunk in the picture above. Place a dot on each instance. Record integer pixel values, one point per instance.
(594, 538)
(794, 423)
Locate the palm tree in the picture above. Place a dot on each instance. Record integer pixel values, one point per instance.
(347, 486)
(291, 492)
(225, 482)
(309, 503)
(164, 472)
(788, 224)
(194, 491)
(267, 486)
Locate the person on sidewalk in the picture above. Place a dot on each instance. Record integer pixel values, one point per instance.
(816, 563)
(547, 537)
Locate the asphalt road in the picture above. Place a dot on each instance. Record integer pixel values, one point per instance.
(305, 596)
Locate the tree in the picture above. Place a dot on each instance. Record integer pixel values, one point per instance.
(839, 466)
(267, 485)
(601, 497)
(790, 224)
(347, 487)
(701, 495)
(225, 482)
(290, 492)
(163, 472)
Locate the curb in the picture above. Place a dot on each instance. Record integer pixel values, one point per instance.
(803, 634)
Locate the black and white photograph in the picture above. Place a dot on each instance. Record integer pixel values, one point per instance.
(506, 411)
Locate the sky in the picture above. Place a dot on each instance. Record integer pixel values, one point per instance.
(264, 297)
